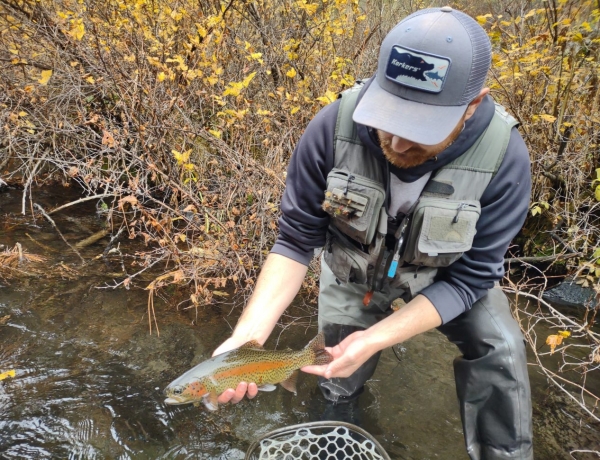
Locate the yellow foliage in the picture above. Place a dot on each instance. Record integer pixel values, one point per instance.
(182, 157)
(553, 341)
(45, 77)
(5, 375)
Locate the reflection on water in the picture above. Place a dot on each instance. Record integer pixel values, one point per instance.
(89, 378)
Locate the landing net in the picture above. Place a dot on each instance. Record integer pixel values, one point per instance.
(317, 440)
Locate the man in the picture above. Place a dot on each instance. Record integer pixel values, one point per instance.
(414, 183)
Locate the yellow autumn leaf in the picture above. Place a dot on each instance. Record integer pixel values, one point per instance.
(211, 80)
(482, 19)
(108, 139)
(77, 29)
(182, 157)
(7, 374)
(564, 334)
(553, 341)
(90, 80)
(548, 118)
(233, 89)
(215, 133)
(328, 98)
(161, 76)
(248, 79)
(291, 73)
(46, 74)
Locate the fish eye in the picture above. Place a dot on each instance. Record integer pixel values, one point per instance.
(177, 390)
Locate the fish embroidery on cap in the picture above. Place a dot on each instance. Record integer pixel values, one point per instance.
(416, 69)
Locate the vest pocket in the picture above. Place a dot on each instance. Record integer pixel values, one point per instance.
(413, 279)
(353, 202)
(347, 263)
(442, 231)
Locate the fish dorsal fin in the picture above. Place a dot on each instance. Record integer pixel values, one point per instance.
(290, 383)
(252, 344)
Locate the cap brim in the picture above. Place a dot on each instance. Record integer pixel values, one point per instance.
(417, 122)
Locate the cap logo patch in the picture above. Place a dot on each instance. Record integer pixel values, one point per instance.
(417, 70)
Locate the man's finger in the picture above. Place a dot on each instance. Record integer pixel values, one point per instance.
(252, 390)
(240, 392)
(226, 396)
(317, 370)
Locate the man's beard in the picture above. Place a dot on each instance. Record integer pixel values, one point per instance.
(418, 153)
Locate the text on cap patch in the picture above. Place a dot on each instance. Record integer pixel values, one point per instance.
(418, 70)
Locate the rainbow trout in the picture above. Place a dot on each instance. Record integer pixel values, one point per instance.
(248, 363)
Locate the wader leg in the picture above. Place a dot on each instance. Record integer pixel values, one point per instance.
(343, 390)
(491, 380)
(341, 312)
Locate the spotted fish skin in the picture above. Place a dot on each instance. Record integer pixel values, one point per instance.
(248, 363)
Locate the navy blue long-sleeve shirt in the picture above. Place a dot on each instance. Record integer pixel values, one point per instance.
(504, 205)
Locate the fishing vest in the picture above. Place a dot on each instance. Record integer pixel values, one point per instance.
(437, 231)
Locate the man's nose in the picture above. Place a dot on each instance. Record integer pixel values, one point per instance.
(400, 145)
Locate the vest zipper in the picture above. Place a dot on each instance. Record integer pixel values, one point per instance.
(461, 206)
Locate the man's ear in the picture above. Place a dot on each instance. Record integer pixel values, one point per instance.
(475, 103)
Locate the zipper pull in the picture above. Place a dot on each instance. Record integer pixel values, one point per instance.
(350, 178)
(459, 209)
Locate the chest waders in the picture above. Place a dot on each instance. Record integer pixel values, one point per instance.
(361, 276)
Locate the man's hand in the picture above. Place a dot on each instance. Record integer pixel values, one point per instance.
(416, 317)
(348, 355)
(243, 389)
(235, 396)
(278, 283)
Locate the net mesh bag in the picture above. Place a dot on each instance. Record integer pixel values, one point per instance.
(317, 440)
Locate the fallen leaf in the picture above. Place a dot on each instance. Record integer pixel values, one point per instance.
(7, 374)
(108, 139)
(553, 341)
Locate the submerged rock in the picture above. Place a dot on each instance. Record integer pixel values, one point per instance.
(570, 294)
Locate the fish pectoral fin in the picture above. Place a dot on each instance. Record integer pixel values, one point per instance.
(210, 401)
(267, 387)
(290, 383)
(252, 344)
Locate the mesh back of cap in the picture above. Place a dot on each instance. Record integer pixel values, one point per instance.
(482, 56)
(481, 51)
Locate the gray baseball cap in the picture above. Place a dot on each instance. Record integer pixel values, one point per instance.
(431, 66)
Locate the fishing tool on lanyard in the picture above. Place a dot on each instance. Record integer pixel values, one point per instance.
(392, 262)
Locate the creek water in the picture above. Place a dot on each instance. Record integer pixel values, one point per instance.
(88, 374)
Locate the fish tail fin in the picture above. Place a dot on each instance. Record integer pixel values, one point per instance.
(317, 346)
(317, 343)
